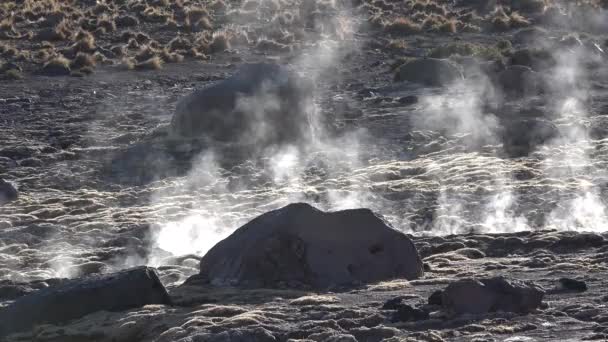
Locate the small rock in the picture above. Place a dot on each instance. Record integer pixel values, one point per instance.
(435, 298)
(408, 100)
(429, 71)
(518, 80)
(479, 296)
(573, 284)
(406, 313)
(8, 193)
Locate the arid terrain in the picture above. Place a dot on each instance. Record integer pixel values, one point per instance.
(478, 128)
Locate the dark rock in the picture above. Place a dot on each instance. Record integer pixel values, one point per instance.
(8, 193)
(519, 80)
(79, 297)
(536, 59)
(573, 284)
(436, 298)
(406, 313)
(393, 303)
(447, 247)
(478, 296)
(375, 334)
(521, 137)
(408, 100)
(471, 253)
(570, 243)
(260, 103)
(527, 6)
(303, 246)
(31, 162)
(10, 290)
(429, 71)
(258, 334)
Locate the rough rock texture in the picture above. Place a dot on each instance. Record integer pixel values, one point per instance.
(262, 102)
(300, 245)
(517, 80)
(429, 71)
(8, 192)
(479, 296)
(73, 299)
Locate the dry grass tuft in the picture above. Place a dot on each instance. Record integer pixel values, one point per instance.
(180, 43)
(154, 63)
(516, 20)
(145, 53)
(57, 66)
(448, 26)
(396, 44)
(83, 60)
(271, 45)
(126, 21)
(219, 43)
(85, 42)
(402, 26)
(13, 74)
(171, 57)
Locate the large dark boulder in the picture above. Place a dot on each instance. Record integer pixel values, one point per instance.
(479, 296)
(519, 80)
(8, 193)
(432, 72)
(300, 246)
(261, 103)
(76, 298)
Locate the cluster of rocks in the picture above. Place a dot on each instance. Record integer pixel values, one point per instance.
(295, 247)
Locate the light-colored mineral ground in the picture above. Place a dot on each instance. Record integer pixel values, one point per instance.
(471, 173)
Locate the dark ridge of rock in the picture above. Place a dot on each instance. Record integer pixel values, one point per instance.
(432, 72)
(478, 296)
(301, 246)
(435, 298)
(573, 284)
(72, 299)
(519, 80)
(8, 193)
(571, 243)
(521, 137)
(535, 59)
(261, 103)
(406, 313)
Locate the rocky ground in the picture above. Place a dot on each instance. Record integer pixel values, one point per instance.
(492, 169)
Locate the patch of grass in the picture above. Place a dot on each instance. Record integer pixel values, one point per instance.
(516, 20)
(145, 53)
(448, 26)
(220, 42)
(171, 57)
(83, 60)
(271, 45)
(107, 24)
(56, 66)
(179, 43)
(466, 49)
(154, 63)
(13, 74)
(396, 44)
(402, 26)
(155, 15)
